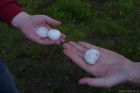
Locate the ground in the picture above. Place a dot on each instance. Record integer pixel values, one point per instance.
(112, 24)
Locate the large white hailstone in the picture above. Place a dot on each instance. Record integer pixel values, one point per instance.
(54, 34)
(42, 32)
(91, 56)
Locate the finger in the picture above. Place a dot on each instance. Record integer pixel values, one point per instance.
(57, 42)
(73, 49)
(94, 82)
(87, 45)
(45, 41)
(42, 41)
(63, 35)
(52, 22)
(105, 82)
(77, 60)
(62, 40)
(78, 47)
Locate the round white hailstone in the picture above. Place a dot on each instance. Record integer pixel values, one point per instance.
(91, 56)
(54, 34)
(42, 32)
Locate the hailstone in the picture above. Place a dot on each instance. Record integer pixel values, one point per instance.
(42, 32)
(91, 56)
(54, 34)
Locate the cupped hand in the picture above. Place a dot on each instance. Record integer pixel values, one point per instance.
(28, 24)
(111, 68)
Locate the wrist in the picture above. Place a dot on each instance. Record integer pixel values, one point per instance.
(20, 19)
(134, 74)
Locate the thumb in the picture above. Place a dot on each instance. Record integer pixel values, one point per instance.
(94, 82)
(52, 22)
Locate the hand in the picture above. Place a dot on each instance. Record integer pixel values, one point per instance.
(111, 68)
(28, 24)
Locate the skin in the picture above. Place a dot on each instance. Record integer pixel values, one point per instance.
(111, 68)
(27, 24)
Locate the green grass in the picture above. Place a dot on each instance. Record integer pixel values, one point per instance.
(113, 24)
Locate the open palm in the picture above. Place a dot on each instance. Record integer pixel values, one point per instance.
(111, 68)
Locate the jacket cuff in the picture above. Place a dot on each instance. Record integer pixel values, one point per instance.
(9, 11)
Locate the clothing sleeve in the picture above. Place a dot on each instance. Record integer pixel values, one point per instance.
(8, 10)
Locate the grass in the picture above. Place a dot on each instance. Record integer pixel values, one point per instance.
(113, 24)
